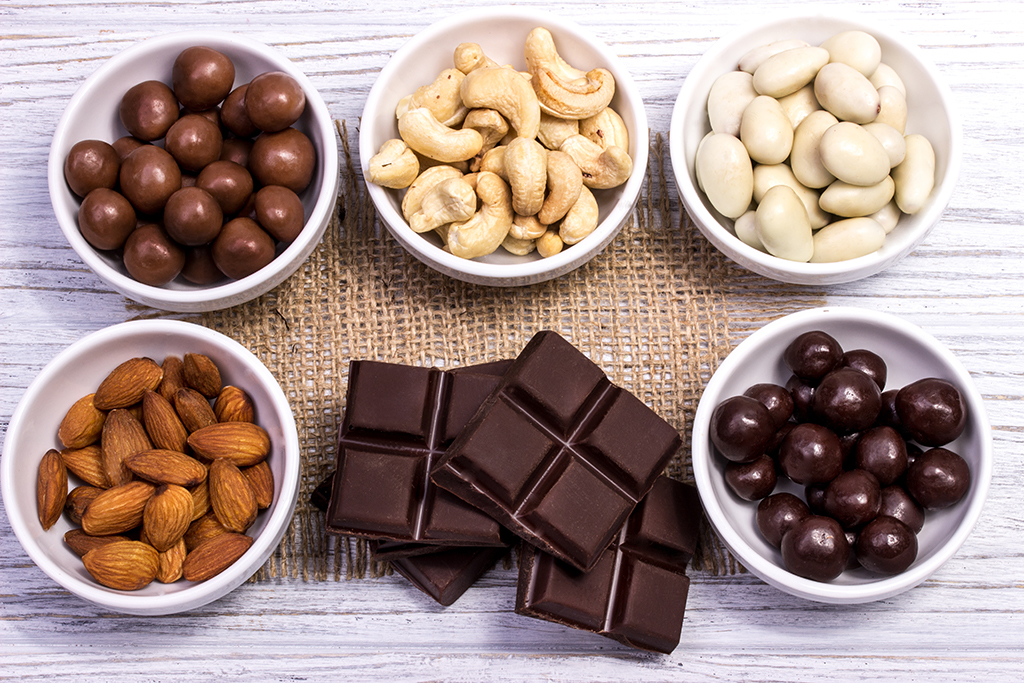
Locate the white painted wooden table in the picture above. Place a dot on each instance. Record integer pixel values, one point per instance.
(964, 285)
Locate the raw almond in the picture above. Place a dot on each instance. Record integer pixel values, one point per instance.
(82, 424)
(78, 500)
(234, 405)
(166, 467)
(231, 497)
(241, 443)
(261, 480)
(117, 509)
(174, 377)
(81, 542)
(52, 488)
(202, 374)
(193, 409)
(167, 516)
(200, 499)
(171, 561)
(87, 464)
(214, 556)
(162, 423)
(123, 565)
(123, 435)
(126, 384)
(203, 529)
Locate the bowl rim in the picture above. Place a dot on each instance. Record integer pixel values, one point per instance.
(233, 291)
(773, 266)
(527, 271)
(776, 575)
(197, 594)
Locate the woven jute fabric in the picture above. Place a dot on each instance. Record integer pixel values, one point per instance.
(658, 310)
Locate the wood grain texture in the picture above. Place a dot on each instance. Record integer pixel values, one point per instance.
(965, 285)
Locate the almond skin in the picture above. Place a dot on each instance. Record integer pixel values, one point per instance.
(241, 443)
(261, 480)
(231, 497)
(123, 565)
(51, 488)
(167, 516)
(78, 500)
(87, 464)
(126, 384)
(234, 405)
(166, 467)
(200, 499)
(118, 509)
(174, 377)
(81, 542)
(162, 423)
(171, 561)
(202, 374)
(203, 529)
(82, 424)
(123, 435)
(214, 556)
(194, 409)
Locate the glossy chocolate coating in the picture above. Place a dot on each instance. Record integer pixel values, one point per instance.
(816, 548)
(886, 546)
(815, 495)
(125, 146)
(199, 267)
(236, 150)
(938, 478)
(776, 399)
(883, 452)
(896, 502)
(887, 416)
(149, 176)
(212, 115)
(242, 248)
(868, 362)
(233, 116)
(152, 257)
(194, 142)
(775, 443)
(91, 164)
(847, 400)
(229, 183)
(810, 454)
(741, 428)
(777, 514)
(106, 218)
(274, 101)
(280, 212)
(812, 355)
(848, 446)
(148, 109)
(803, 398)
(932, 411)
(202, 77)
(192, 216)
(751, 480)
(852, 498)
(286, 158)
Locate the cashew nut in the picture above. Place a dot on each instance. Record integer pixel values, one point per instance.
(526, 227)
(553, 131)
(606, 128)
(581, 219)
(602, 168)
(490, 124)
(562, 90)
(470, 57)
(549, 244)
(493, 160)
(394, 166)
(441, 97)
(426, 135)
(507, 92)
(426, 162)
(565, 181)
(413, 199)
(486, 230)
(450, 200)
(526, 167)
(517, 246)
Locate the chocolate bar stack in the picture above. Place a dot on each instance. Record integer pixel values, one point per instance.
(438, 467)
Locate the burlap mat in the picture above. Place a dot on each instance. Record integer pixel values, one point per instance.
(657, 310)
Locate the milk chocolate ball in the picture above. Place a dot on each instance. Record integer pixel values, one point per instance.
(236, 150)
(810, 454)
(126, 145)
(751, 480)
(286, 158)
(776, 399)
(91, 164)
(279, 211)
(886, 546)
(149, 176)
(932, 411)
(274, 101)
(148, 109)
(229, 183)
(868, 362)
(242, 248)
(882, 452)
(816, 548)
(106, 218)
(233, 116)
(812, 355)
(777, 514)
(194, 142)
(853, 498)
(152, 257)
(199, 267)
(741, 428)
(202, 77)
(847, 400)
(192, 216)
(938, 478)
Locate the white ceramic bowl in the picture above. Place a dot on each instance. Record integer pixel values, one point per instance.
(931, 112)
(910, 354)
(77, 371)
(501, 31)
(93, 114)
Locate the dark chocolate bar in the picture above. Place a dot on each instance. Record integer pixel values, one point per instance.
(558, 454)
(636, 592)
(398, 421)
(445, 575)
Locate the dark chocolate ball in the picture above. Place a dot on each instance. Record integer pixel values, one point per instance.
(777, 514)
(91, 164)
(852, 498)
(803, 398)
(194, 142)
(751, 480)
(896, 502)
(887, 416)
(813, 355)
(847, 400)
(229, 183)
(148, 109)
(848, 447)
(274, 101)
(152, 257)
(242, 248)
(149, 176)
(279, 211)
(938, 478)
(202, 77)
(882, 452)
(285, 158)
(815, 548)
(851, 540)
(868, 362)
(126, 145)
(815, 495)
(233, 116)
(776, 399)
(775, 443)
(236, 150)
(106, 218)
(932, 411)
(192, 216)
(886, 546)
(199, 267)
(741, 428)
(810, 454)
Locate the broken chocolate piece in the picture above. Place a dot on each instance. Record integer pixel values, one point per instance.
(447, 574)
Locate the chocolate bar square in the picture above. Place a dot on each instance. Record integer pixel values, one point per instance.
(557, 453)
(447, 574)
(636, 592)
